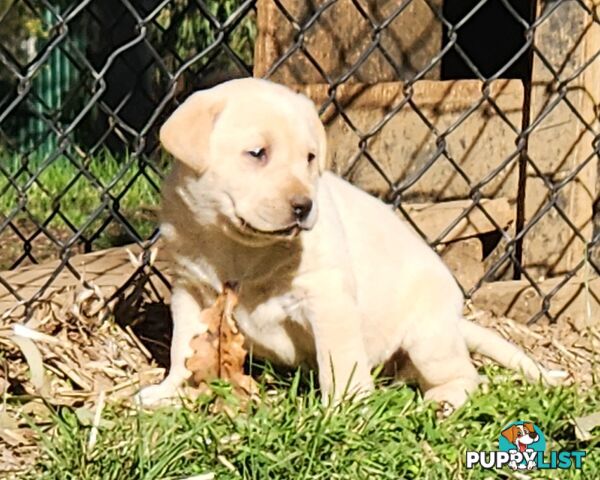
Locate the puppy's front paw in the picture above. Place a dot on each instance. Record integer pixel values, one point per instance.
(444, 410)
(355, 392)
(157, 395)
(449, 396)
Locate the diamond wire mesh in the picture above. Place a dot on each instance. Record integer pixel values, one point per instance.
(86, 84)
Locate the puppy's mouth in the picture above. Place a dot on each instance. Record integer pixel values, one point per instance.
(245, 227)
(287, 232)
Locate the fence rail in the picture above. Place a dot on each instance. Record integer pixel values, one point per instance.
(476, 120)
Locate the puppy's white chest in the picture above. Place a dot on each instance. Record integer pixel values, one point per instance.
(279, 308)
(277, 329)
(269, 315)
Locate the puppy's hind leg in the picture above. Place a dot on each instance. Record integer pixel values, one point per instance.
(443, 365)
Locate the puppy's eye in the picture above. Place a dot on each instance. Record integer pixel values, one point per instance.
(258, 153)
(310, 157)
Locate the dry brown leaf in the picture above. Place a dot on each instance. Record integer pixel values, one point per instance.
(11, 433)
(219, 352)
(585, 425)
(34, 360)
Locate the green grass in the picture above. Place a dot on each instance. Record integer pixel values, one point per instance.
(392, 434)
(62, 185)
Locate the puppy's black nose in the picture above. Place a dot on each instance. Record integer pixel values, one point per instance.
(301, 206)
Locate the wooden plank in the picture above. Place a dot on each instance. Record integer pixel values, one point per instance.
(412, 39)
(434, 218)
(577, 302)
(107, 269)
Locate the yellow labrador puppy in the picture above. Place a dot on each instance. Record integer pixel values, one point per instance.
(329, 277)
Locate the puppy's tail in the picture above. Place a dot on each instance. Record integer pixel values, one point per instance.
(487, 342)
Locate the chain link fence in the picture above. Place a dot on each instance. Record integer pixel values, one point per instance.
(476, 120)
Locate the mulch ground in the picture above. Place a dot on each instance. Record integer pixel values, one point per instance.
(574, 354)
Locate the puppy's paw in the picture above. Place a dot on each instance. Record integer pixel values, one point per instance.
(356, 392)
(444, 410)
(158, 395)
(449, 396)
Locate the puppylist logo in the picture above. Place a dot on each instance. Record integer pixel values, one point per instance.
(522, 446)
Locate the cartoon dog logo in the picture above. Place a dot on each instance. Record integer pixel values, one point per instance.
(522, 446)
(523, 437)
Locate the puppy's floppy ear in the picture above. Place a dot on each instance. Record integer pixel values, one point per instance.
(510, 434)
(529, 427)
(186, 133)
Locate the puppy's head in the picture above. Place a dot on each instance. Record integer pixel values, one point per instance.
(257, 149)
(524, 434)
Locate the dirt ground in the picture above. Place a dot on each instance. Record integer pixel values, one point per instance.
(42, 248)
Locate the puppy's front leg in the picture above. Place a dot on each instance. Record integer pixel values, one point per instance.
(187, 323)
(341, 355)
